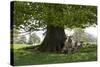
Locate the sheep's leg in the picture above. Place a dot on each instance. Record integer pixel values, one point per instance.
(66, 51)
(69, 51)
(72, 50)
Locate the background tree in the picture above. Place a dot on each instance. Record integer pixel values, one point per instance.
(34, 39)
(80, 35)
(15, 35)
(53, 17)
(22, 39)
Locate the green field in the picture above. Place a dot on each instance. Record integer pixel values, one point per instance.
(26, 55)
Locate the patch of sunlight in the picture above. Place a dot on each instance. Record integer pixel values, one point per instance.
(19, 46)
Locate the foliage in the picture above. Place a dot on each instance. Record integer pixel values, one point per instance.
(80, 35)
(22, 39)
(26, 55)
(15, 35)
(36, 15)
(34, 39)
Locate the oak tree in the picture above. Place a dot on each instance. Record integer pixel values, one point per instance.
(53, 17)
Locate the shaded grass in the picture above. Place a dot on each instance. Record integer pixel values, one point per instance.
(26, 55)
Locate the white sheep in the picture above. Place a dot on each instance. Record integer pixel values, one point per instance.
(70, 45)
(67, 45)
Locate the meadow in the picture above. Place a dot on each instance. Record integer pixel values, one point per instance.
(27, 55)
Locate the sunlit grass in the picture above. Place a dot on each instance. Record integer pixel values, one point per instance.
(19, 46)
(26, 55)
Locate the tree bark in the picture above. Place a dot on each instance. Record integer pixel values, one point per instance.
(54, 39)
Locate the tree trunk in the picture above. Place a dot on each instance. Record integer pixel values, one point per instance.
(54, 39)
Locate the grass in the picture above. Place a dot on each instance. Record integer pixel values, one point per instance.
(26, 55)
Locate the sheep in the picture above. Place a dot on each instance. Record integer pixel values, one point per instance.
(70, 45)
(67, 45)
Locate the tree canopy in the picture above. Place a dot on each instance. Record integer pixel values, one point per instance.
(38, 15)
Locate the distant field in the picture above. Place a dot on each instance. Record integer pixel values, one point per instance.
(26, 55)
